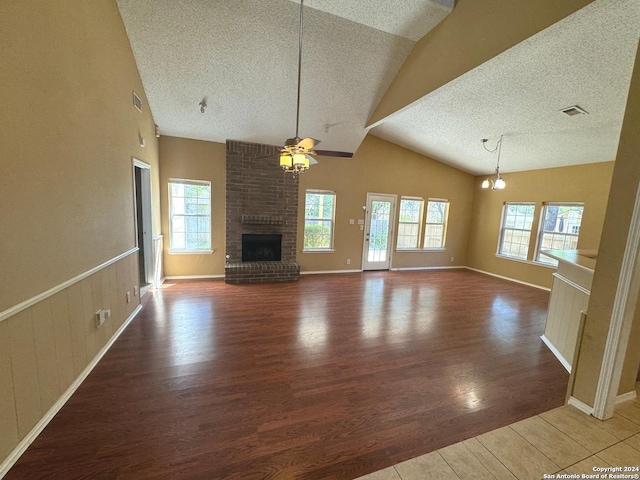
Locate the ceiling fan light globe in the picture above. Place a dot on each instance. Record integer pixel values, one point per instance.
(300, 160)
(500, 184)
(485, 183)
(285, 161)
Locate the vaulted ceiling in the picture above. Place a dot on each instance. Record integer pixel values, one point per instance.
(240, 57)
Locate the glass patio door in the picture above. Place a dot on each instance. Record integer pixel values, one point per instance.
(378, 239)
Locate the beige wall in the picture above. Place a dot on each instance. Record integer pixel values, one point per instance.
(382, 167)
(624, 185)
(68, 133)
(582, 183)
(194, 160)
(46, 347)
(473, 33)
(378, 167)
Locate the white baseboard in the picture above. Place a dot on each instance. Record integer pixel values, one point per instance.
(510, 279)
(319, 272)
(44, 421)
(407, 269)
(192, 277)
(558, 355)
(625, 397)
(583, 407)
(632, 395)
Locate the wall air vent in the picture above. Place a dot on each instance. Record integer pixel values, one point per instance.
(137, 102)
(574, 110)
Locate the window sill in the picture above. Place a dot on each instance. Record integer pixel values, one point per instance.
(442, 249)
(323, 250)
(528, 262)
(191, 252)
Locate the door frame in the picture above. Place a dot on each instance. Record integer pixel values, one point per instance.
(146, 250)
(367, 225)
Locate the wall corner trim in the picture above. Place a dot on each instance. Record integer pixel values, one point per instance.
(621, 318)
(44, 421)
(583, 407)
(10, 312)
(557, 353)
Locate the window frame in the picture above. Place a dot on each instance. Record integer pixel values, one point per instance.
(503, 228)
(330, 248)
(445, 224)
(541, 231)
(420, 224)
(189, 251)
(423, 225)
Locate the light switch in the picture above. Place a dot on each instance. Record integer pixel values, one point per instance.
(351, 221)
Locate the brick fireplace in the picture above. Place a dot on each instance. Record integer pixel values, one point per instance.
(260, 200)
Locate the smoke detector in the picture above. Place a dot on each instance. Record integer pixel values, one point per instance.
(574, 110)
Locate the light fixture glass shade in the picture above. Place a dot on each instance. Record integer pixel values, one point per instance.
(499, 184)
(485, 183)
(285, 161)
(300, 159)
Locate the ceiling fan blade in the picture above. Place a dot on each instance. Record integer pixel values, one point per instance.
(308, 143)
(312, 161)
(331, 153)
(291, 142)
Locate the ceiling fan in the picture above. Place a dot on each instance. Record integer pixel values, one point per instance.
(295, 155)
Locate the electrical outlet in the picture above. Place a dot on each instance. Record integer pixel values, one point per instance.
(348, 261)
(128, 297)
(135, 290)
(452, 259)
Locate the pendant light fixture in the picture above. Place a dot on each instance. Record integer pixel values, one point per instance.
(496, 182)
(293, 157)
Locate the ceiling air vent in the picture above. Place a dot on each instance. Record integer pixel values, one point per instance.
(574, 110)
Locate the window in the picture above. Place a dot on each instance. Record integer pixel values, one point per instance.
(436, 223)
(319, 210)
(517, 219)
(559, 229)
(409, 222)
(189, 216)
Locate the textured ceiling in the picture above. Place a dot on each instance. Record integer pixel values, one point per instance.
(410, 19)
(241, 56)
(585, 59)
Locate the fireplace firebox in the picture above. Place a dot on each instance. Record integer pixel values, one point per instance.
(261, 247)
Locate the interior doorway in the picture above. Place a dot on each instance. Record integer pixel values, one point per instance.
(143, 225)
(378, 238)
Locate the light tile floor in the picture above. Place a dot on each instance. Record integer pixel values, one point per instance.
(560, 441)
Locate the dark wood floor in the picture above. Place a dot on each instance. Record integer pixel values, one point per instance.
(334, 376)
